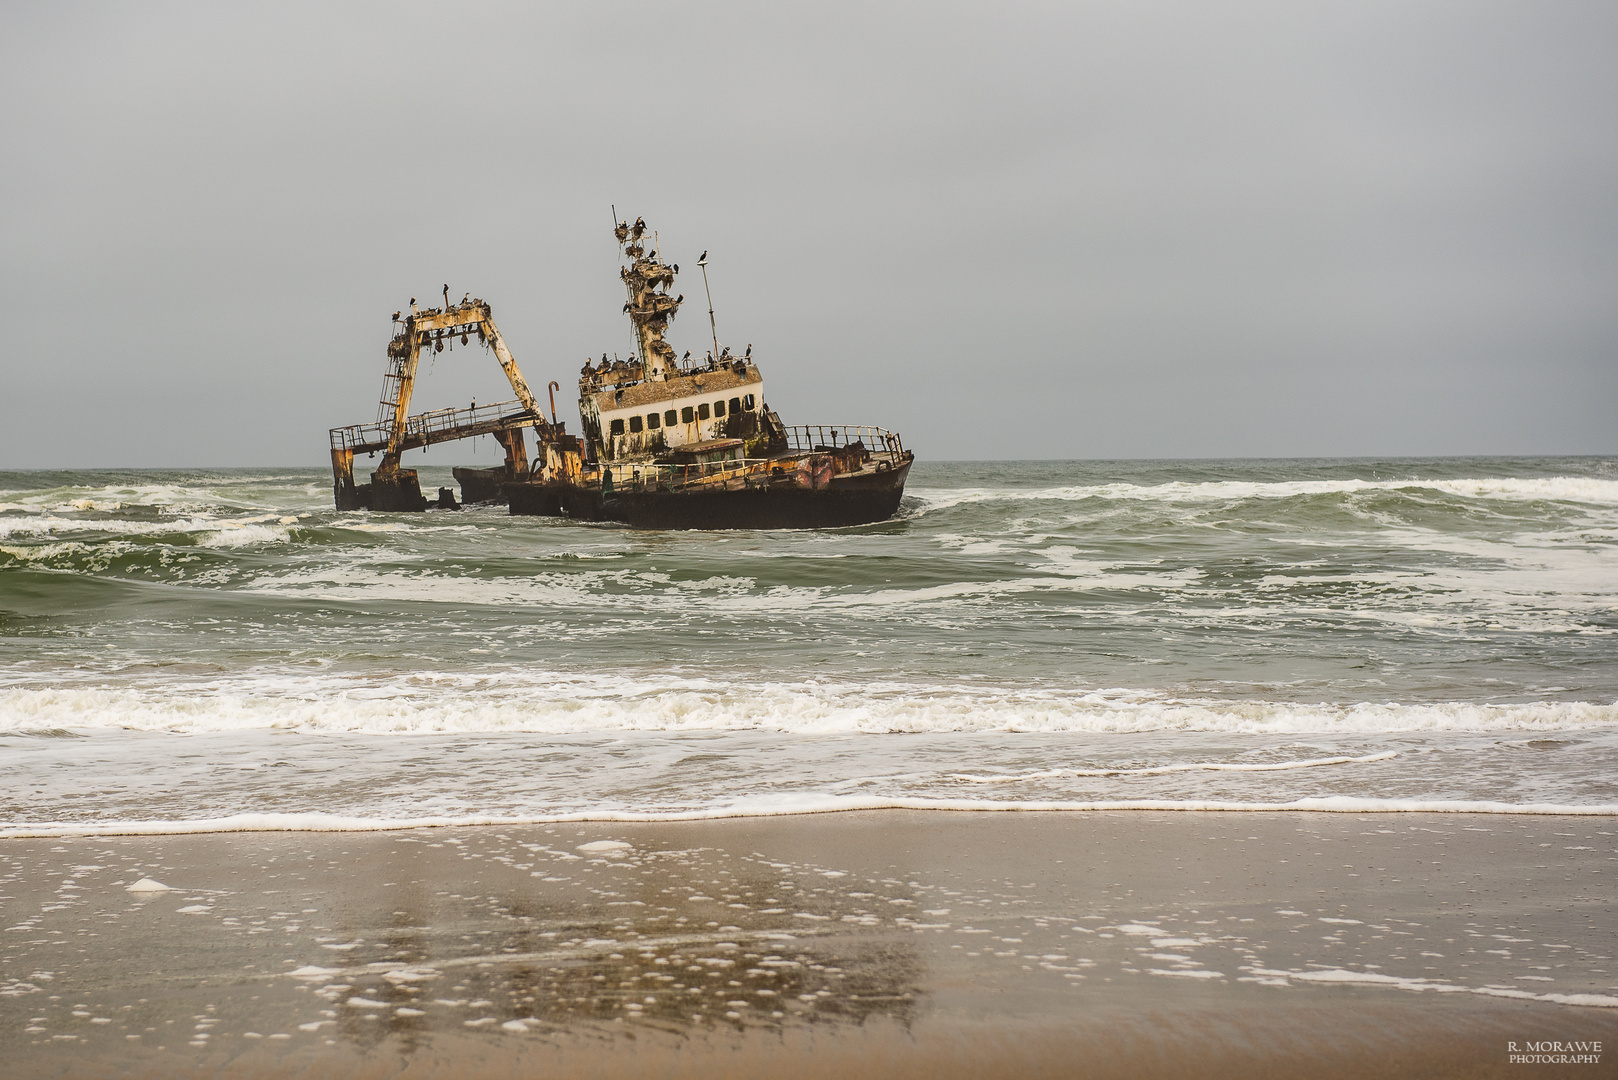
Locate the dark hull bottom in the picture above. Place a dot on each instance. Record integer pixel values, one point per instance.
(862, 502)
(481, 485)
(400, 494)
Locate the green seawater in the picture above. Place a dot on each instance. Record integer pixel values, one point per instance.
(1013, 616)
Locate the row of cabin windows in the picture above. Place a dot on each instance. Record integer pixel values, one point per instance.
(687, 415)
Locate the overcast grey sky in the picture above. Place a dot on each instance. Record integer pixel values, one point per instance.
(1007, 230)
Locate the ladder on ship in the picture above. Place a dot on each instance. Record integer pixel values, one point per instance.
(394, 383)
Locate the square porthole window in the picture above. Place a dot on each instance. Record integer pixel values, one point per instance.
(685, 415)
(719, 408)
(670, 418)
(747, 402)
(635, 425)
(735, 404)
(617, 427)
(653, 421)
(703, 412)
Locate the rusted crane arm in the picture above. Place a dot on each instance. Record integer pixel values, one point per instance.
(426, 329)
(519, 385)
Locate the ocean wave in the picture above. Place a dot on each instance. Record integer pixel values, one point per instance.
(652, 591)
(197, 492)
(1165, 770)
(201, 529)
(1574, 489)
(429, 703)
(790, 807)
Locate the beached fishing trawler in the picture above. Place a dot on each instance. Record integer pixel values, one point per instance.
(683, 444)
(667, 443)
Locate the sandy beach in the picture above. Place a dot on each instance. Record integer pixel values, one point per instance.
(882, 944)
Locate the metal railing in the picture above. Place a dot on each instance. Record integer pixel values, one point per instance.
(634, 476)
(639, 477)
(815, 436)
(440, 425)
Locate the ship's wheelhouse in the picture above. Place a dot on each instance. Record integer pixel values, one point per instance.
(645, 419)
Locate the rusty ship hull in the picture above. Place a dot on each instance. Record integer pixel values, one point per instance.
(781, 502)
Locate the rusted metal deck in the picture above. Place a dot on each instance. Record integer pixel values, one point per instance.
(442, 425)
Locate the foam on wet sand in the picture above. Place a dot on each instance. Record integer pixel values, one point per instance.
(884, 944)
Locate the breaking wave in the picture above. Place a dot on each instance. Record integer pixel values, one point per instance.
(1571, 489)
(561, 704)
(320, 822)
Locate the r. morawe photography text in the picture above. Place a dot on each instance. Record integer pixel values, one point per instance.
(1555, 1053)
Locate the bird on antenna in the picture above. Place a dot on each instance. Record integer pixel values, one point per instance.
(702, 260)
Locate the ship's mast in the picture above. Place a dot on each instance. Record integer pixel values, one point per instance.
(703, 262)
(650, 308)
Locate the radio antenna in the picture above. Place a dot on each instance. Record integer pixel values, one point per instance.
(703, 262)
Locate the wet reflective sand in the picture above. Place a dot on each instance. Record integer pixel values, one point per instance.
(895, 943)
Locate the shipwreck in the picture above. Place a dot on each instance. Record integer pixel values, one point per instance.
(666, 442)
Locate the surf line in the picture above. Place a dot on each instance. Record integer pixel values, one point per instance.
(1160, 770)
(319, 822)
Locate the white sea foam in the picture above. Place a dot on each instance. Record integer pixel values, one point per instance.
(1575, 489)
(1163, 770)
(244, 535)
(1371, 978)
(428, 703)
(654, 591)
(321, 822)
(200, 491)
(215, 532)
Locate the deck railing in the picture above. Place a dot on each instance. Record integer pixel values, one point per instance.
(818, 436)
(440, 425)
(636, 477)
(642, 477)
